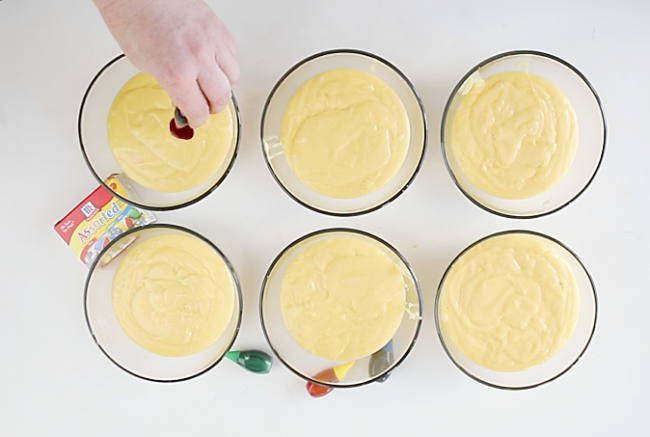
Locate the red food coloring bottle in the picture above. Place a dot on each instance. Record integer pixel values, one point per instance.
(183, 133)
(179, 127)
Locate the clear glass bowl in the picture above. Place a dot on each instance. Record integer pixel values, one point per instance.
(113, 341)
(559, 363)
(285, 89)
(591, 126)
(93, 116)
(303, 363)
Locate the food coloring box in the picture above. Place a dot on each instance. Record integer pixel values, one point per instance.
(100, 218)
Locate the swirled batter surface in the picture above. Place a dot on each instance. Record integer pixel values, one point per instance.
(509, 303)
(143, 146)
(173, 295)
(345, 133)
(514, 135)
(342, 298)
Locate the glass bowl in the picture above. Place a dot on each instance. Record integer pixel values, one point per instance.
(591, 137)
(279, 98)
(309, 366)
(557, 364)
(114, 342)
(93, 116)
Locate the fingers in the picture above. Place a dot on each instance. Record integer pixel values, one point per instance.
(228, 64)
(215, 86)
(201, 77)
(224, 36)
(216, 78)
(228, 41)
(209, 93)
(192, 103)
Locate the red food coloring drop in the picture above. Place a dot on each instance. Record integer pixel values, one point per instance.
(183, 133)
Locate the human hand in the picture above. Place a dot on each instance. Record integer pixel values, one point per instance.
(183, 45)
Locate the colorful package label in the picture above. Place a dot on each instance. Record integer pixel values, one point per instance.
(100, 218)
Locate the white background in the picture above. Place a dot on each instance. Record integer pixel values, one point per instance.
(55, 381)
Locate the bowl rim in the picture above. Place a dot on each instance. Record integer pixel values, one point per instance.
(333, 230)
(138, 203)
(164, 226)
(498, 234)
(400, 74)
(497, 57)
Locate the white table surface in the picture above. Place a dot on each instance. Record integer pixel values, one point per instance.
(54, 379)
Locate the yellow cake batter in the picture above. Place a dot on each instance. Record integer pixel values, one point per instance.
(345, 133)
(173, 295)
(514, 134)
(143, 146)
(342, 298)
(509, 303)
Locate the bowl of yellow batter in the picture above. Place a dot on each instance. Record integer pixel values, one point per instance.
(523, 134)
(167, 308)
(515, 309)
(343, 132)
(124, 128)
(340, 299)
